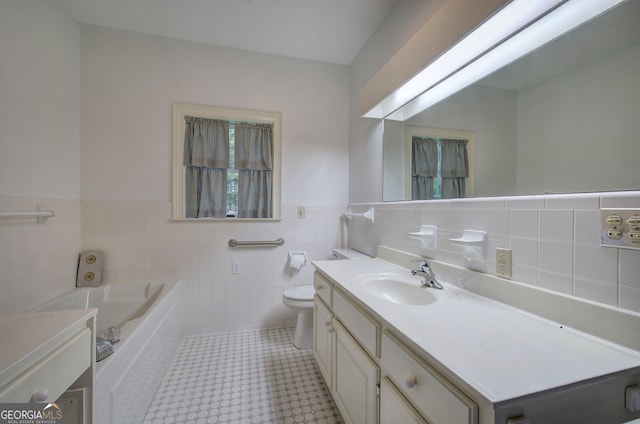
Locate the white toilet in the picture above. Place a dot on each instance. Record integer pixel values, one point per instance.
(300, 299)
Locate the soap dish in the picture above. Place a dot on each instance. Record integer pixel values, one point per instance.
(426, 236)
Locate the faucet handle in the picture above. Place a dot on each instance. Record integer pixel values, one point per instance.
(422, 262)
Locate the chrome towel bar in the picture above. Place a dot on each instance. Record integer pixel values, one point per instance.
(41, 215)
(255, 243)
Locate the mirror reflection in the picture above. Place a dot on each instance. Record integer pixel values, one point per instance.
(565, 118)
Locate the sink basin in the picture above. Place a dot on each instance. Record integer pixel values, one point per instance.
(397, 288)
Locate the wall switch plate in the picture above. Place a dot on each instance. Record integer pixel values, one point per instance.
(503, 262)
(301, 212)
(235, 267)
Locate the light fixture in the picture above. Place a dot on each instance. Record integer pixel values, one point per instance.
(477, 55)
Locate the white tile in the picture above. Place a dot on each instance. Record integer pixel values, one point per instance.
(498, 222)
(630, 268)
(596, 291)
(524, 223)
(556, 257)
(630, 299)
(555, 282)
(624, 199)
(524, 252)
(596, 263)
(573, 201)
(556, 225)
(587, 226)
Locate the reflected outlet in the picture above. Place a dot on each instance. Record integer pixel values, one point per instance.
(503, 262)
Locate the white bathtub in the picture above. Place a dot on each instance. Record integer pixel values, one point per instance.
(150, 317)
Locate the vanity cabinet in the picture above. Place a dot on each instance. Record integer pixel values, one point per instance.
(323, 335)
(49, 357)
(373, 376)
(348, 369)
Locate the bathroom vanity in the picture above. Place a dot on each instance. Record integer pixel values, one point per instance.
(47, 354)
(391, 351)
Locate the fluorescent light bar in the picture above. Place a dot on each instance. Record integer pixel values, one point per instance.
(565, 18)
(503, 24)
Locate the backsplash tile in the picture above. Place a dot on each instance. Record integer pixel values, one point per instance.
(555, 239)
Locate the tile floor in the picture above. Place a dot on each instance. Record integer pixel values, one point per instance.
(249, 377)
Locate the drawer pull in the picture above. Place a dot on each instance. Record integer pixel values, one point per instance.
(320, 286)
(41, 395)
(411, 382)
(327, 324)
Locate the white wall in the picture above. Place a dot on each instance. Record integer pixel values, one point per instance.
(39, 103)
(39, 150)
(128, 83)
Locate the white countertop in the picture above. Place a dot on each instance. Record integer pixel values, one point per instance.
(26, 337)
(500, 351)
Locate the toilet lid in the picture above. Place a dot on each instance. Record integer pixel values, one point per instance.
(300, 292)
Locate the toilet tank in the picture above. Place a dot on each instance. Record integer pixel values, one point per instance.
(348, 254)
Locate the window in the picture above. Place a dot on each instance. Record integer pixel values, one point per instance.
(226, 163)
(439, 163)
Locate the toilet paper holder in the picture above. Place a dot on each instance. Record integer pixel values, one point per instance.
(297, 260)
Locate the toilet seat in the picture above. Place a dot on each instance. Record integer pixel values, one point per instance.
(300, 292)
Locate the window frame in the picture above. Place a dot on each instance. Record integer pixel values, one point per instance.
(179, 111)
(427, 132)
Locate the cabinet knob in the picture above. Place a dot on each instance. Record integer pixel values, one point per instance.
(320, 286)
(40, 395)
(518, 420)
(328, 323)
(632, 398)
(411, 382)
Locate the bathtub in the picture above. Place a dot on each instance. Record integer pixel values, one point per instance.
(150, 318)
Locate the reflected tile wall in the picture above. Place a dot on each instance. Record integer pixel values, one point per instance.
(555, 239)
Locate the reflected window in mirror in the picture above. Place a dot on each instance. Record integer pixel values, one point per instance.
(436, 163)
(226, 163)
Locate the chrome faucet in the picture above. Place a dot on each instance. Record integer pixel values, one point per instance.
(428, 276)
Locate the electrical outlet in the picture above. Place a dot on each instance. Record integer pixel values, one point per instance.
(503, 262)
(301, 212)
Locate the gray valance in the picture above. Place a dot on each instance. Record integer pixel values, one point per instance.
(206, 142)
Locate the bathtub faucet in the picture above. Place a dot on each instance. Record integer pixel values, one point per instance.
(428, 276)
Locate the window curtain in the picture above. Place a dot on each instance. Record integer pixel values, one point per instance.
(254, 162)
(424, 167)
(454, 168)
(206, 159)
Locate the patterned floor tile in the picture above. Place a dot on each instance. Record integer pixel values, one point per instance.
(249, 377)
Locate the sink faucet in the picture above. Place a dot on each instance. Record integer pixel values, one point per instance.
(428, 276)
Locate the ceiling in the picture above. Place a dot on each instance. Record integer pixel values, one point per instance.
(332, 31)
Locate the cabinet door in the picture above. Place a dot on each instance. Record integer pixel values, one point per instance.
(356, 379)
(323, 334)
(394, 408)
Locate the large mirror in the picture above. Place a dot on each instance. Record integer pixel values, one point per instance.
(565, 118)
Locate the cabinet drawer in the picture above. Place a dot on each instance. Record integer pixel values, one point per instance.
(431, 394)
(394, 408)
(55, 373)
(363, 329)
(323, 288)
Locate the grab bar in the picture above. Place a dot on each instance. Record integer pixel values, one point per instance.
(236, 243)
(41, 216)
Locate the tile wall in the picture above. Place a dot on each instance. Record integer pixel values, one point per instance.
(37, 261)
(141, 243)
(555, 239)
